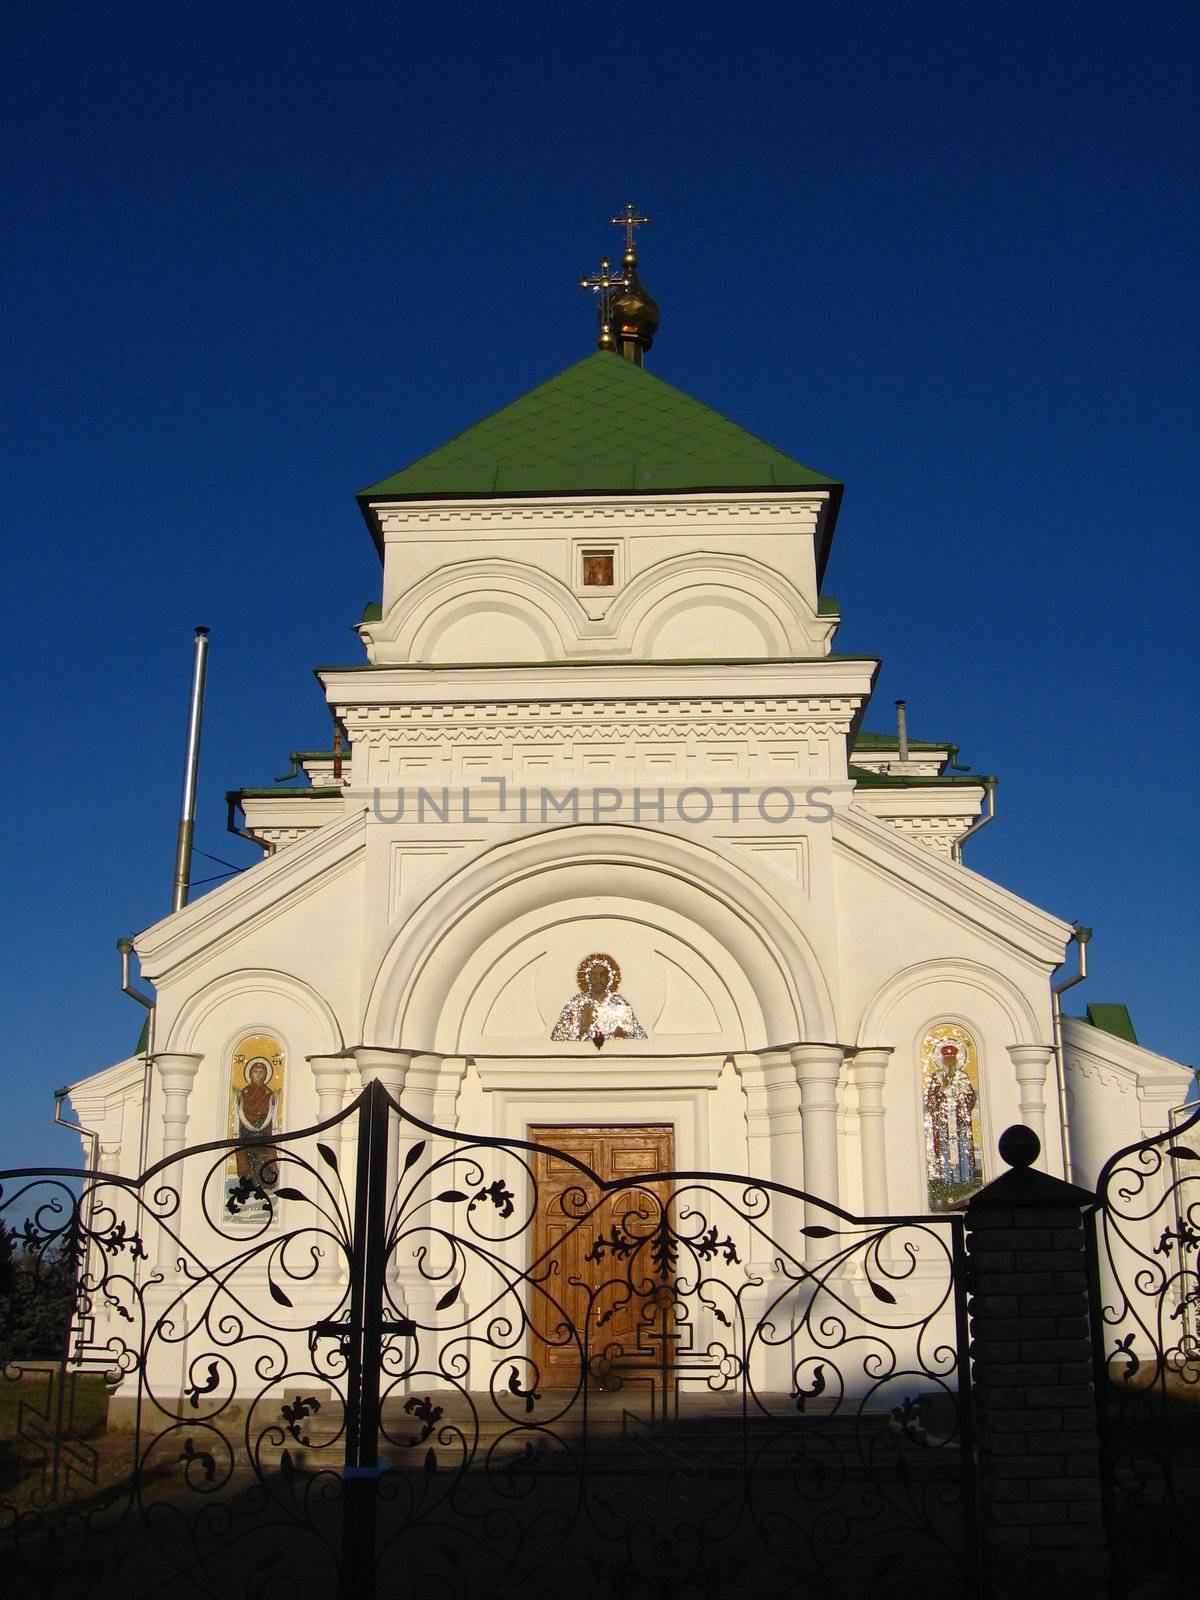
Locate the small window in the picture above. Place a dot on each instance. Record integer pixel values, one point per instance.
(597, 569)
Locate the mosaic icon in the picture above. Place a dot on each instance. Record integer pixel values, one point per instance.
(953, 1135)
(597, 1012)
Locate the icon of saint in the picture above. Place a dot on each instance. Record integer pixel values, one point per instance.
(257, 1111)
(949, 1105)
(597, 1012)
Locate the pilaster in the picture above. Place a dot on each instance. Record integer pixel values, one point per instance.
(176, 1073)
(868, 1070)
(776, 1147)
(817, 1068)
(1030, 1063)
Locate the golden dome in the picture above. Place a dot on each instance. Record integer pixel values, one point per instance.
(634, 310)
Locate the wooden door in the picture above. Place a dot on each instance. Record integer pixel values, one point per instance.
(602, 1242)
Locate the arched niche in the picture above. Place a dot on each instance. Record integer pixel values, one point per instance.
(251, 1001)
(686, 990)
(487, 626)
(931, 994)
(708, 604)
(491, 609)
(649, 880)
(709, 621)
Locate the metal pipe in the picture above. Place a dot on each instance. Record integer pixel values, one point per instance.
(1079, 937)
(191, 769)
(125, 946)
(75, 1127)
(232, 804)
(956, 848)
(902, 728)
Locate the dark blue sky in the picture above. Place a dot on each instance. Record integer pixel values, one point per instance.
(258, 255)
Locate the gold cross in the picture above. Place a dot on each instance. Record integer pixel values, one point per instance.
(604, 283)
(629, 220)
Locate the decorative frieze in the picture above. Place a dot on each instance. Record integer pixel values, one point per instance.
(673, 515)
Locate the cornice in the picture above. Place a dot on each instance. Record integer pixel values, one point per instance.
(1025, 927)
(397, 518)
(1120, 1056)
(640, 687)
(279, 879)
(110, 1083)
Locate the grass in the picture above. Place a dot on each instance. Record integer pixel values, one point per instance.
(85, 1403)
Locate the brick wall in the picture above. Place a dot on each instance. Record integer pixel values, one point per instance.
(1038, 1447)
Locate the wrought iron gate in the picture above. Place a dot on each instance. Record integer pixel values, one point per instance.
(1144, 1267)
(328, 1373)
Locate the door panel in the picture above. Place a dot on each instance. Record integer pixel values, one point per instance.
(599, 1298)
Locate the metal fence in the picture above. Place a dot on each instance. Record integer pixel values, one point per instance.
(1144, 1239)
(378, 1357)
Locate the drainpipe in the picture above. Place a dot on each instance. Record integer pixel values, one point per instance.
(233, 804)
(956, 849)
(191, 768)
(88, 1133)
(1079, 937)
(125, 947)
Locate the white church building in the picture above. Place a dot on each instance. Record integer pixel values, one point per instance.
(606, 855)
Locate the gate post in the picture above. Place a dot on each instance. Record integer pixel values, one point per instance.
(1038, 1483)
(363, 1331)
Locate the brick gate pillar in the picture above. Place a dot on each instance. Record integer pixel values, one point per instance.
(1042, 1535)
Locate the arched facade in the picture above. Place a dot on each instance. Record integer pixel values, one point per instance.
(651, 880)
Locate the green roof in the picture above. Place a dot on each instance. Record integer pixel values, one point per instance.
(603, 426)
(1114, 1019)
(868, 778)
(891, 741)
(314, 791)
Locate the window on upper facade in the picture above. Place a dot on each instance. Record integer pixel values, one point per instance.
(953, 1133)
(597, 569)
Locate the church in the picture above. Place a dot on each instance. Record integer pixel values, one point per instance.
(613, 853)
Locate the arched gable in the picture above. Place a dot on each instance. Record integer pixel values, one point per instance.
(623, 866)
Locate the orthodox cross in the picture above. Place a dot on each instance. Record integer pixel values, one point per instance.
(605, 283)
(629, 220)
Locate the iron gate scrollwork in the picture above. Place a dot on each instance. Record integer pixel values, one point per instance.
(360, 1381)
(1144, 1267)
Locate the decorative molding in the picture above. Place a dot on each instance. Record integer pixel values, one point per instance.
(267, 890)
(874, 1029)
(411, 862)
(997, 912)
(259, 982)
(799, 510)
(786, 854)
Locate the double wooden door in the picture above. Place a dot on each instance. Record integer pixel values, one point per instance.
(595, 1293)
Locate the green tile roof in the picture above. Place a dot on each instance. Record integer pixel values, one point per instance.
(603, 426)
(1113, 1018)
(890, 741)
(868, 778)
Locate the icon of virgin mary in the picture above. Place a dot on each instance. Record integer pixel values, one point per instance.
(597, 1012)
(257, 1112)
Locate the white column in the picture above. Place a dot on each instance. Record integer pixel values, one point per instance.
(868, 1070)
(389, 1067)
(378, 1064)
(176, 1073)
(1030, 1062)
(817, 1069)
(331, 1075)
(776, 1148)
